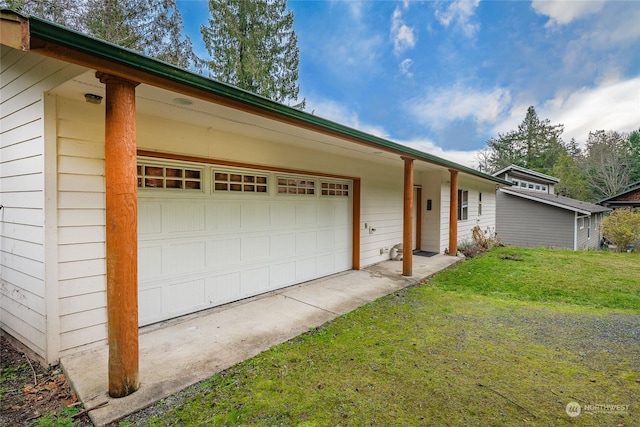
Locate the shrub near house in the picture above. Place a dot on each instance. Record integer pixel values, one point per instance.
(622, 228)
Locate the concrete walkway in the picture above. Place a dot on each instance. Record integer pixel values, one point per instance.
(181, 352)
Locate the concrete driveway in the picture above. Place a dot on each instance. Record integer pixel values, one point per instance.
(179, 353)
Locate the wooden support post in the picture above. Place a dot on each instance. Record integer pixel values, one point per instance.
(453, 213)
(407, 223)
(418, 203)
(121, 234)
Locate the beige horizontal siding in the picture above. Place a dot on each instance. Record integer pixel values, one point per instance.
(81, 225)
(22, 308)
(24, 79)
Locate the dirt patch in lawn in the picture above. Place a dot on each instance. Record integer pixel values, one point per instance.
(29, 392)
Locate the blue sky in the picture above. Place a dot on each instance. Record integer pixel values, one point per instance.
(444, 77)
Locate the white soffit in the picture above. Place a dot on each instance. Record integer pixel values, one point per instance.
(169, 105)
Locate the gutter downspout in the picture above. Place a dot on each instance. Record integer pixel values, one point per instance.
(575, 231)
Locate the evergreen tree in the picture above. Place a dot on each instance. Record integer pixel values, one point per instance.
(535, 145)
(572, 183)
(153, 27)
(633, 146)
(63, 12)
(572, 149)
(253, 46)
(502, 152)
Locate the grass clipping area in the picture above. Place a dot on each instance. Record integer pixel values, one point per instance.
(507, 338)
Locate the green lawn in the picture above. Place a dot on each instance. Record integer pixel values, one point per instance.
(507, 338)
(593, 279)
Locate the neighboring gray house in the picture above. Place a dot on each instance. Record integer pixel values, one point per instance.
(530, 214)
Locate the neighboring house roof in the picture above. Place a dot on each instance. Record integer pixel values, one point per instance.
(558, 201)
(51, 39)
(527, 172)
(620, 197)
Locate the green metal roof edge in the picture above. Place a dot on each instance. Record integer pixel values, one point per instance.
(114, 53)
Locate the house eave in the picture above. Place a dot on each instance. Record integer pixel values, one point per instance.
(630, 188)
(550, 179)
(53, 40)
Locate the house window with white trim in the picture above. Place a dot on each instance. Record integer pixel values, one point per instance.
(479, 204)
(463, 205)
(588, 227)
(581, 223)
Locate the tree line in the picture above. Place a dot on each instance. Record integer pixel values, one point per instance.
(607, 165)
(251, 43)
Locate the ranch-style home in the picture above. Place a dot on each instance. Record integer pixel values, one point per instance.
(134, 192)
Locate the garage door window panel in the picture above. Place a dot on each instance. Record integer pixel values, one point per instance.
(298, 186)
(334, 189)
(155, 176)
(237, 182)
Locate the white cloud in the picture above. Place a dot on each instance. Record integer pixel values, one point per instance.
(460, 15)
(347, 59)
(613, 27)
(355, 8)
(402, 35)
(350, 41)
(610, 106)
(562, 12)
(440, 107)
(465, 158)
(340, 113)
(404, 67)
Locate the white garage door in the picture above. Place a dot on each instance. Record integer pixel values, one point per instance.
(209, 236)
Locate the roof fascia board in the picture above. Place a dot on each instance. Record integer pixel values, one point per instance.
(60, 42)
(14, 30)
(622, 202)
(546, 202)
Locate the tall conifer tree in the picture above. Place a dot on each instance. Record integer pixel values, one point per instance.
(153, 27)
(535, 145)
(253, 46)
